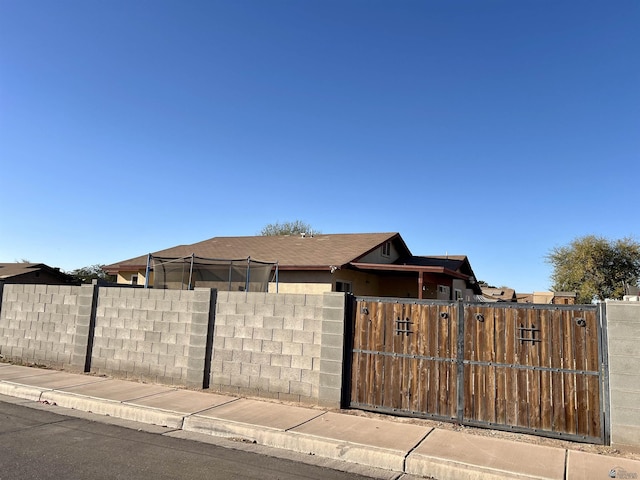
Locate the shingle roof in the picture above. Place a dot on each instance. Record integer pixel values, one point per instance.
(287, 250)
(9, 270)
(499, 294)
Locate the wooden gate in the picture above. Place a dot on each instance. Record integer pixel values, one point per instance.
(517, 367)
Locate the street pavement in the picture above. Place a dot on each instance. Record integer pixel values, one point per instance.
(389, 449)
(41, 445)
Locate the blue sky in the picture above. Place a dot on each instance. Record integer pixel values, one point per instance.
(497, 129)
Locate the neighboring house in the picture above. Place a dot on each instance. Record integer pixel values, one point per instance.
(499, 294)
(556, 298)
(373, 264)
(34, 273)
(524, 297)
(564, 298)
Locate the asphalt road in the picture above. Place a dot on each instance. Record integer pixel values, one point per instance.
(39, 444)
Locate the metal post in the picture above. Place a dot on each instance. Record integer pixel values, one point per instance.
(246, 285)
(146, 273)
(603, 357)
(276, 277)
(460, 361)
(193, 255)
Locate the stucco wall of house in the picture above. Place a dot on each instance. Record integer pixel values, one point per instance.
(125, 278)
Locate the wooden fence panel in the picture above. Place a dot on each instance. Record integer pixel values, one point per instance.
(525, 368)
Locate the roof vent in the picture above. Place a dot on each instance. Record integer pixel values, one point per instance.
(303, 234)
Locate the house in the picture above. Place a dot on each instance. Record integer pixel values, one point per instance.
(555, 298)
(499, 294)
(372, 264)
(34, 273)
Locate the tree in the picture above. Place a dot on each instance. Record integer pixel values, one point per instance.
(287, 228)
(595, 268)
(92, 272)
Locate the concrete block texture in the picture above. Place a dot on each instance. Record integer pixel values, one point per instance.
(269, 344)
(169, 328)
(623, 335)
(55, 321)
(281, 334)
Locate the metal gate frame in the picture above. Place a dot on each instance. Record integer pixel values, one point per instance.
(460, 362)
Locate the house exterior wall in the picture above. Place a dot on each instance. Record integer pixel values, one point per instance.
(377, 256)
(125, 277)
(467, 293)
(303, 282)
(402, 287)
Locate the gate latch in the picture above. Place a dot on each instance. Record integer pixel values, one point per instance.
(403, 326)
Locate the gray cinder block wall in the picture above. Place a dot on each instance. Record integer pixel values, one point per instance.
(153, 335)
(46, 324)
(284, 346)
(623, 338)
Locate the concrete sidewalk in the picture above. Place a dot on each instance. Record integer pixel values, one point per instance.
(400, 448)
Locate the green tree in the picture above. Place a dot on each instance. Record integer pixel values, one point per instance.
(91, 272)
(287, 228)
(595, 268)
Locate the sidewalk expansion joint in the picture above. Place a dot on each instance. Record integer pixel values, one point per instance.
(306, 421)
(145, 396)
(404, 460)
(566, 464)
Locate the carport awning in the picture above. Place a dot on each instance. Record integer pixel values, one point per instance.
(386, 267)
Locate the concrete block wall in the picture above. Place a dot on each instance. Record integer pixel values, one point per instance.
(623, 339)
(272, 345)
(46, 324)
(153, 335)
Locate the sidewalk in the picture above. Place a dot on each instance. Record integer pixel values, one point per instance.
(401, 448)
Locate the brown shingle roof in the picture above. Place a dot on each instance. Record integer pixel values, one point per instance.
(11, 270)
(288, 250)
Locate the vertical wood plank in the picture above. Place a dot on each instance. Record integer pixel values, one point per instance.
(569, 379)
(358, 373)
(500, 373)
(377, 374)
(557, 379)
(469, 353)
(453, 366)
(444, 351)
(522, 399)
(594, 384)
(546, 410)
(580, 346)
(432, 372)
(490, 342)
(533, 376)
(511, 374)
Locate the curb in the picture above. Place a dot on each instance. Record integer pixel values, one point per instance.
(435, 454)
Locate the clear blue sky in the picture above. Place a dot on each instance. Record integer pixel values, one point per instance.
(497, 129)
